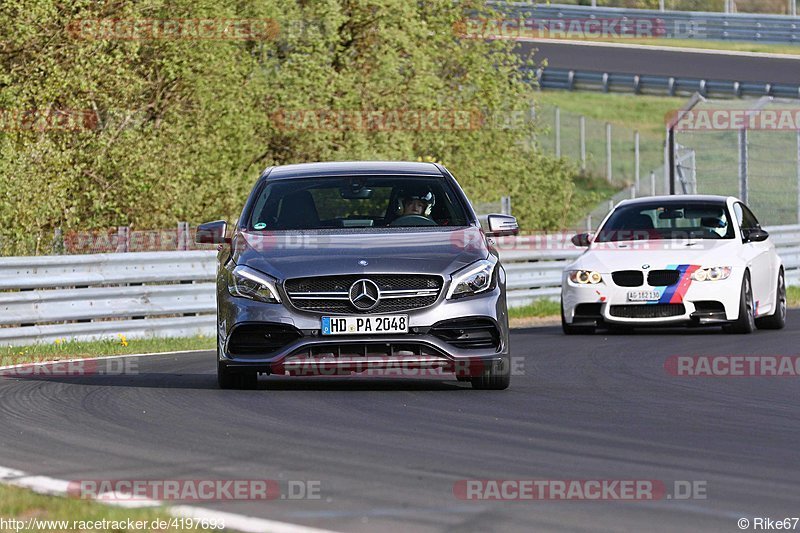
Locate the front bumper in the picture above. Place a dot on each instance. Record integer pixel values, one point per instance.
(703, 303)
(306, 351)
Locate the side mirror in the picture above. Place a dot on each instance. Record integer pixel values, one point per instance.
(211, 233)
(582, 240)
(502, 225)
(755, 235)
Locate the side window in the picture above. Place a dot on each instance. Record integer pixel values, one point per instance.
(748, 220)
(739, 214)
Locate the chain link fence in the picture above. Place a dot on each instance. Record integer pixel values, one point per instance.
(628, 160)
(749, 149)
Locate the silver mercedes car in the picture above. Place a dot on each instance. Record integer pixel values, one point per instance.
(360, 267)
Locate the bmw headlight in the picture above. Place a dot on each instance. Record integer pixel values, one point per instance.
(585, 277)
(712, 274)
(252, 284)
(473, 279)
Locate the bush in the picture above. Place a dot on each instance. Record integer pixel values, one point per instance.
(180, 129)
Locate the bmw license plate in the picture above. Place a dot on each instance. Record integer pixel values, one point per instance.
(364, 325)
(644, 296)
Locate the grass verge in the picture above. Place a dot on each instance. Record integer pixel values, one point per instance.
(119, 345)
(729, 46)
(23, 504)
(644, 113)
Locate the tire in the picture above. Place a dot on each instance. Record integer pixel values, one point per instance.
(746, 323)
(497, 376)
(569, 329)
(234, 380)
(776, 320)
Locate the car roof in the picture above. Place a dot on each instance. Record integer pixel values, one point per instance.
(679, 198)
(349, 168)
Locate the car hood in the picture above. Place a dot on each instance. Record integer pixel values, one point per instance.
(296, 254)
(609, 257)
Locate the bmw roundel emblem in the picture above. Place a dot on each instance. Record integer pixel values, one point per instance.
(363, 262)
(645, 267)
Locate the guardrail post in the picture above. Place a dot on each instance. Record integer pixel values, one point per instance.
(609, 162)
(123, 239)
(558, 132)
(583, 142)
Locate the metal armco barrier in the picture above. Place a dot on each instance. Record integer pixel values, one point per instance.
(674, 24)
(572, 80)
(172, 294)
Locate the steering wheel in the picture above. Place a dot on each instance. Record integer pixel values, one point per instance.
(412, 220)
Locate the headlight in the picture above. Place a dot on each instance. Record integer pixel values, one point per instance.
(712, 274)
(474, 279)
(585, 277)
(252, 284)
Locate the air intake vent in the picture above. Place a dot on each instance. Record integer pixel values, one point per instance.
(628, 278)
(648, 311)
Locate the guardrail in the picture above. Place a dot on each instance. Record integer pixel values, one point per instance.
(673, 24)
(172, 294)
(571, 80)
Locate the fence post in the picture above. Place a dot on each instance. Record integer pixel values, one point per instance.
(58, 242)
(589, 223)
(558, 131)
(652, 183)
(183, 236)
(637, 163)
(505, 205)
(743, 165)
(609, 167)
(583, 142)
(123, 239)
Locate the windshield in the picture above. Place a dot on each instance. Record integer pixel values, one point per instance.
(356, 202)
(668, 220)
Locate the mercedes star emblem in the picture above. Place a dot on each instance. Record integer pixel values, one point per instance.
(364, 294)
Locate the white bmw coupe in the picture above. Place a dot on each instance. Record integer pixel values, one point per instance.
(674, 261)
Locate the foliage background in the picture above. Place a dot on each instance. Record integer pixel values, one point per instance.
(184, 126)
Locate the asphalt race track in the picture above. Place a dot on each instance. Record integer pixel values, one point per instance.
(643, 61)
(387, 452)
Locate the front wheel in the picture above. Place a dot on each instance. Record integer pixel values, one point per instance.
(776, 320)
(746, 323)
(234, 380)
(497, 376)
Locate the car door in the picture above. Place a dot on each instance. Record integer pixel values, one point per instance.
(759, 257)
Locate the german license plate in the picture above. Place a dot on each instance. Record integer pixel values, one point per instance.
(364, 325)
(644, 296)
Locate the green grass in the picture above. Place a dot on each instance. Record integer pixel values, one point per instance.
(538, 309)
(23, 504)
(793, 296)
(644, 113)
(732, 46)
(117, 345)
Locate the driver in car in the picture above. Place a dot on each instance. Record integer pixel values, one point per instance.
(417, 203)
